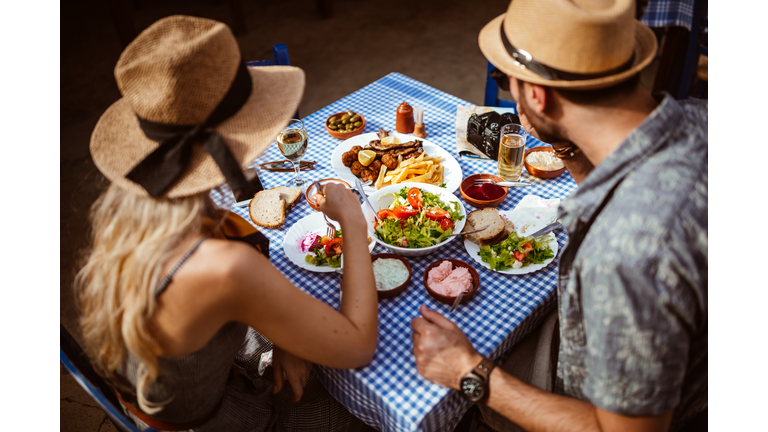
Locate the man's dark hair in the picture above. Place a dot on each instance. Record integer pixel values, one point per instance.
(600, 96)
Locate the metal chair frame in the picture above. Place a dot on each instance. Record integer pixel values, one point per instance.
(74, 359)
(492, 92)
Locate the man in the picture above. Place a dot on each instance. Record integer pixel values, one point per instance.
(632, 289)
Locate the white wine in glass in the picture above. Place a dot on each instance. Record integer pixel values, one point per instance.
(293, 141)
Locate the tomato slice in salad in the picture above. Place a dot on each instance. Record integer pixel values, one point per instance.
(436, 213)
(333, 247)
(414, 198)
(324, 240)
(385, 214)
(403, 212)
(527, 247)
(446, 224)
(519, 256)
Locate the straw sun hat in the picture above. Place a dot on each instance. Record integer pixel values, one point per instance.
(574, 44)
(184, 84)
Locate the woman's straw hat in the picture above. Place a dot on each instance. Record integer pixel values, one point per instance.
(589, 44)
(175, 74)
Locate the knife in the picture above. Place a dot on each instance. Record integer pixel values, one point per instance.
(365, 197)
(549, 228)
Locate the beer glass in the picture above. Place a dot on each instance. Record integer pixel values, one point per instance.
(511, 150)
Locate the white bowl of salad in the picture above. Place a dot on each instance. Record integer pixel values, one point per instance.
(415, 218)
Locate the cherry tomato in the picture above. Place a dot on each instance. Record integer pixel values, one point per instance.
(519, 256)
(324, 240)
(527, 247)
(385, 214)
(446, 224)
(415, 199)
(403, 212)
(436, 213)
(333, 247)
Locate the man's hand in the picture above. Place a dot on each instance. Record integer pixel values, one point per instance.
(442, 351)
(296, 371)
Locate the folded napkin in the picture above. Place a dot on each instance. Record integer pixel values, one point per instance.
(533, 213)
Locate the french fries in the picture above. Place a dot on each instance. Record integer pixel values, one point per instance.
(420, 169)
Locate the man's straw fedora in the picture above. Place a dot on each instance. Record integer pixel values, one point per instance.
(175, 74)
(578, 45)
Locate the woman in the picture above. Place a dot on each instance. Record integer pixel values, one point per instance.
(169, 301)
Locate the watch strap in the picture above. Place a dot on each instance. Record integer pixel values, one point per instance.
(484, 369)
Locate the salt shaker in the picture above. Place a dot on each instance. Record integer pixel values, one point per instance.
(419, 130)
(404, 123)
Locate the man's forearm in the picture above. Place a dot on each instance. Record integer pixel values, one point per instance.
(536, 410)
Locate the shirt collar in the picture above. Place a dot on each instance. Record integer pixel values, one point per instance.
(640, 144)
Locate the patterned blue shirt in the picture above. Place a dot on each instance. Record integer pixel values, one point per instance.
(632, 291)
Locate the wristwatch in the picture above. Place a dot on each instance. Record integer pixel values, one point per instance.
(475, 385)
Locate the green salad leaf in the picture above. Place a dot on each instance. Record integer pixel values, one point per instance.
(501, 256)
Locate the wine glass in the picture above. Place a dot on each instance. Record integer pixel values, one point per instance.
(293, 141)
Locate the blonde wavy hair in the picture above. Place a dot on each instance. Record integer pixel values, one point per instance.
(132, 238)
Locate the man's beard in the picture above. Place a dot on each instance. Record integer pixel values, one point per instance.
(546, 130)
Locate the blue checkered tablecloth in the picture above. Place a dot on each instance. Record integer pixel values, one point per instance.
(389, 394)
(668, 13)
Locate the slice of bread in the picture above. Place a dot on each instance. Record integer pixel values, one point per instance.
(267, 209)
(290, 195)
(479, 218)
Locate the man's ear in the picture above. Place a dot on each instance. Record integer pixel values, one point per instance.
(537, 97)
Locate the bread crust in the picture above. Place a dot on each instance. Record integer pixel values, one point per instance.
(266, 198)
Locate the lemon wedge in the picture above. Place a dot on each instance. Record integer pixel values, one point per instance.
(390, 140)
(366, 157)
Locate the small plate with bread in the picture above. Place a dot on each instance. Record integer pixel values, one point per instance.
(500, 226)
(312, 223)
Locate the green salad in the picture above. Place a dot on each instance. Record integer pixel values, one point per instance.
(517, 252)
(324, 251)
(417, 219)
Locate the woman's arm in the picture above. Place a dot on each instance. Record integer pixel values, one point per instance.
(256, 293)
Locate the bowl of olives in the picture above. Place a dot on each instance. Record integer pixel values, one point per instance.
(345, 125)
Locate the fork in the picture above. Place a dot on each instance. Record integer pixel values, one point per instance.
(480, 182)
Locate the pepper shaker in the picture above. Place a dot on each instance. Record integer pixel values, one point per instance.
(404, 123)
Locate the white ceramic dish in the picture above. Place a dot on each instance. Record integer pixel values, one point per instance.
(312, 223)
(473, 249)
(452, 173)
(386, 199)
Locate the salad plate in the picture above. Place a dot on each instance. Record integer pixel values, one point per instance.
(473, 249)
(312, 223)
(452, 173)
(387, 197)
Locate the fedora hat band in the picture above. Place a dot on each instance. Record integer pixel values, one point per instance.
(525, 60)
(159, 170)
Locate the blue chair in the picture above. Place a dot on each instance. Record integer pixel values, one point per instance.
(697, 45)
(280, 53)
(74, 359)
(492, 92)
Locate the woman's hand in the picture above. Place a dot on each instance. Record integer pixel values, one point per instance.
(340, 204)
(296, 371)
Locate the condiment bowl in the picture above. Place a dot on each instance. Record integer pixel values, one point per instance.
(538, 172)
(398, 289)
(384, 197)
(450, 299)
(470, 182)
(311, 190)
(345, 135)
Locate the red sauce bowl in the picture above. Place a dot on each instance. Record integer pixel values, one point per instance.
(469, 182)
(448, 299)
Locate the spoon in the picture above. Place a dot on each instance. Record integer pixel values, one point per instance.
(458, 300)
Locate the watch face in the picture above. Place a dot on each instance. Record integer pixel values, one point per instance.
(472, 389)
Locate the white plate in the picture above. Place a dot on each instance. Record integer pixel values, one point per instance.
(452, 173)
(387, 199)
(473, 249)
(313, 223)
